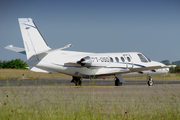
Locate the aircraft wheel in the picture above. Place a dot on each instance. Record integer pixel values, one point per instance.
(78, 82)
(150, 82)
(118, 82)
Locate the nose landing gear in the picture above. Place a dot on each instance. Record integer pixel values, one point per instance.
(150, 81)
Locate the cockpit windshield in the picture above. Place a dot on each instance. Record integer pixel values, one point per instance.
(143, 58)
(148, 58)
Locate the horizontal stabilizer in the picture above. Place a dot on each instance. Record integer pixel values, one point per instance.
(67, 46)
(49, 51)
(16, 49)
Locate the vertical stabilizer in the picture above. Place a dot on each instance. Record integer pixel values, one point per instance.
(32, 38)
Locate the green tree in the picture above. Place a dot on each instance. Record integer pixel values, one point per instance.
(175, 70)
(0, 64)
(17, 63)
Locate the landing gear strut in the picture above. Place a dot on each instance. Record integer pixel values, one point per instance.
(117, 82)
(77, 81)
(150, 81)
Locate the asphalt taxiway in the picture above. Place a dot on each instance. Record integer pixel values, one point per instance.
(85, 82)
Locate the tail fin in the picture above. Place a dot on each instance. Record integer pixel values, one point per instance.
(32, 38)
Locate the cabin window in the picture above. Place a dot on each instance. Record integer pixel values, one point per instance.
(117, 59)
(111, 59)
(142, 58)
(129, 59)
(122, 59)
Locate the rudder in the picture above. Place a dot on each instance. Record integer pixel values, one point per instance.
(32, 38)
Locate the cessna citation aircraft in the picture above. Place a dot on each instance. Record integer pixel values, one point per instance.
(41, 58)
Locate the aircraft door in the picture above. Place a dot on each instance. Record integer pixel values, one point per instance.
(128, 60)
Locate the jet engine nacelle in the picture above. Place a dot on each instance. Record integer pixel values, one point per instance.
(94, 61)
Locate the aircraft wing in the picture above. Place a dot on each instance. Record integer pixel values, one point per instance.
(129, 70)
(150, 68)
(16, 49)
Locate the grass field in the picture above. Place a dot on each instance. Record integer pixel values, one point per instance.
(58, 103)
(87, 103)
(18, 74)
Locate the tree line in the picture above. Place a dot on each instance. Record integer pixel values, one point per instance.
(172, 70)
(175, 70)
(167, 62)
(16, 64)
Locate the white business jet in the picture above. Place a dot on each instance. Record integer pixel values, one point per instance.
(41, 58)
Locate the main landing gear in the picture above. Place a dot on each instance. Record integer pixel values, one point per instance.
(150, 81)
(117, 82)
(77, 81)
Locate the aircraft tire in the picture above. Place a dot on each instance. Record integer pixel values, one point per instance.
(117, 82)
(150, 82)
(78, 82)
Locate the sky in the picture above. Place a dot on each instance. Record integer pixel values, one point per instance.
(151, 27)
